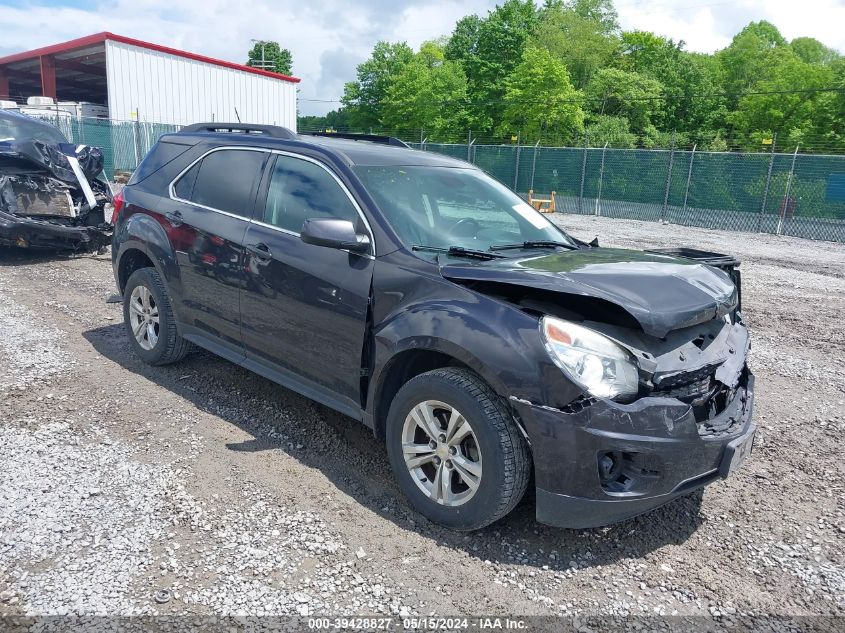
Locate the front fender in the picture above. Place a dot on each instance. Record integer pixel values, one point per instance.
(494, 338)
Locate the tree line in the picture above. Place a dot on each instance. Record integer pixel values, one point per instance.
(564, 73)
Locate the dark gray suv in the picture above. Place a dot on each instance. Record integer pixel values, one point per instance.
(412, 292)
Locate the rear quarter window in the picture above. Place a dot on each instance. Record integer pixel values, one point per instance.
(185, 185)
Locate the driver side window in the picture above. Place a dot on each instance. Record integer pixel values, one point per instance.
(300, 190)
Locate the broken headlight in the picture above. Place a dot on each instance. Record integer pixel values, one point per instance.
(590, 359)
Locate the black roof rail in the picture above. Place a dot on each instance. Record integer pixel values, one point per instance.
(273, 131)
(372, 138)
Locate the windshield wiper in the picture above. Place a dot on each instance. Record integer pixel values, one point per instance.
(458, 251)
(533, 244)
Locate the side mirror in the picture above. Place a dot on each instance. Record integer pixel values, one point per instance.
(332, 233)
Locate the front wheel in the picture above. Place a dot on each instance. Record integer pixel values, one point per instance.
(455, 449)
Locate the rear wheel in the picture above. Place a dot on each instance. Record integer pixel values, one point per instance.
(455, 449)
(148, 316)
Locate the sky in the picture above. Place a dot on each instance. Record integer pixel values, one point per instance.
(328, 38)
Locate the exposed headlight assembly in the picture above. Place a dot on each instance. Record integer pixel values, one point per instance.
(590, 359)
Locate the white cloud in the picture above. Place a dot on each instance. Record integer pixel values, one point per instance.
(707, 26)
(329, 38)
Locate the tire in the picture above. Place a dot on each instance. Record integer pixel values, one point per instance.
(495, 448)
(165, 346)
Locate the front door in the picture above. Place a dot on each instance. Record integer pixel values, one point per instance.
(304, 307)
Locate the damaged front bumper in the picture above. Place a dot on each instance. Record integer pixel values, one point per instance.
(35, 233)
(600, 462)
(52, 194)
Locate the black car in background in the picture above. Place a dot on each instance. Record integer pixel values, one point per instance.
(53, 194)
(414, 293)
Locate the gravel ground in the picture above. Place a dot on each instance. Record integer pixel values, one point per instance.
(203, 489)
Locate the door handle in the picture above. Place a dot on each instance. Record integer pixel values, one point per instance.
(174, 217)
(260, 250)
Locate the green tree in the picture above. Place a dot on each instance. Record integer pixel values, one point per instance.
(580, 34)
(811, 51)
(832, 119)
(613, 130)
(337, 120)
(691, 102)
(617, 92)
(540, 101)
(428, 93)
(462, 45)
(270, 56)
(364, 97)
(746, 59)
(489, 49)
(601, 12)
(786, 100)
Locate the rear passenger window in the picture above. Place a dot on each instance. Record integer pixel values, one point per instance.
(300, 190)
(225, 181)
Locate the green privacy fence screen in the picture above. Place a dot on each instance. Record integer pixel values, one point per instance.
(787, 194)
(783, 193)
(124, 143)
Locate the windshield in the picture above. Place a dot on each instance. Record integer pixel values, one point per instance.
(20, 127)
(445, 207)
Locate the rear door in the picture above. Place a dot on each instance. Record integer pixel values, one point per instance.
(304, 307)
(212, 202)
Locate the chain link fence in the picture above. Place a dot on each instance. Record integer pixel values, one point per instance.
(124, 143)
(802, 195)
(796, 194)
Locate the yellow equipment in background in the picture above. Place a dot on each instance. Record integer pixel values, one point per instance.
(543, 205)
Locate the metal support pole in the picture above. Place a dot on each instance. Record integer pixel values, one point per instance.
(583, 173)
(668, 181)
(601, 179)
(469, 146)
(766, 188)
(534, 164)
(136, 136)
(516, 167)
(788, 191)
(48, 76)
(689, 179)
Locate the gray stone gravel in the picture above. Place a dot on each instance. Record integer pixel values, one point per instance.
(78, 517)
(30, 353)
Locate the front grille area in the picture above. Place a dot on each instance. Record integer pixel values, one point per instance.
(684, 378)
(693, 387)
(706, 395)
(689, 392)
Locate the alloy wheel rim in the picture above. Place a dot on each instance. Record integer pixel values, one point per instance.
(143, 317)
(441, 452)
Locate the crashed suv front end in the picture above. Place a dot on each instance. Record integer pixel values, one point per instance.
(648, 395)
(52, 194)
(691, 427)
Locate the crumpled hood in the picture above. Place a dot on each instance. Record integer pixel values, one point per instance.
(662, 293)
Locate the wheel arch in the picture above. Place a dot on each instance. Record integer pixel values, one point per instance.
(131, 259)
(144, 242)
(410, 360)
